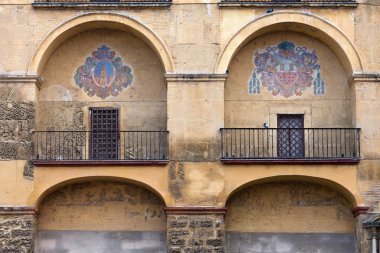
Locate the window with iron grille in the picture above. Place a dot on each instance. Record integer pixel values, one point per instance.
(291, 140)
(104, 144)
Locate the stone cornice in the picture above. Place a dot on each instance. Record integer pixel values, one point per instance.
(364, 77)
(195, 77)
(18, 210)
(21, 79)
(196, 210)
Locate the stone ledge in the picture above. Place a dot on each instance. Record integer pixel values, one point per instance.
(364, 77)
(18, 210)
(21, 79)
(195, 77)
(360, 210)
(197, 210)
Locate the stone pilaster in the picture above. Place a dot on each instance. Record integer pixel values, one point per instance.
(17, 229)
(195, 109)
(195, 230)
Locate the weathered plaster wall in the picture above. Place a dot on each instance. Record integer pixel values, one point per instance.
(101, 205)
(289, 217)
(195, 114)
(366, 20)
(196, 184)
(289, 207)
(367, 107)
(253, 110)
(17, 120)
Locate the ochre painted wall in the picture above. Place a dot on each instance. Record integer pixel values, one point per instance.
(289, 207)
(102, 205)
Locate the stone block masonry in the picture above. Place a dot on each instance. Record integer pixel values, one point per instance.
(17, 115)
(17, 230)
(195, 233)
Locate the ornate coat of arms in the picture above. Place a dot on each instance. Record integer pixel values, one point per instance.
(286, 70)
(103, 74)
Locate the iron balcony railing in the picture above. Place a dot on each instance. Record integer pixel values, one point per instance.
(264, 3)
(290, 144)
(84, 3)
(100, 146)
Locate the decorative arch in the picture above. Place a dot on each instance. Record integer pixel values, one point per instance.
(354, 199)
(305, 23)
(91, 21)
(39, 194)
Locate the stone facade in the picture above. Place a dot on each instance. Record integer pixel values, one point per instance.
(192, 68)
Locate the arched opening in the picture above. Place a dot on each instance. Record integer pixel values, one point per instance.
(306, 23)
(289, 216)
(101, 216)
(264, 81)
(90, 21)
(284, 81)
(103, 92)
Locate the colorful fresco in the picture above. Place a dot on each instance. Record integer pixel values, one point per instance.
(103, 75)
(286, 70)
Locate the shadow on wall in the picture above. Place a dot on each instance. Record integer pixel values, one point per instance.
(289, 243)
(101, 242)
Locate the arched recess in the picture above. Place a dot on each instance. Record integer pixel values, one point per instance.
(46, 187)
(91, 21)
(350, 194)
(290, 215)
(101, 214)
(305, 23)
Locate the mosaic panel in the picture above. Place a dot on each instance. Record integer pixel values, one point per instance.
(286, 70)
(103, 75)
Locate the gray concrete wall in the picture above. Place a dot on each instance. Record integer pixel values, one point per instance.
(290, 243)
(49, 241)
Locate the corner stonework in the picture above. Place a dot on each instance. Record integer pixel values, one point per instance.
(17, 230)
(195, 230)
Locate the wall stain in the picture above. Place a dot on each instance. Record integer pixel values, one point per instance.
(176, 179)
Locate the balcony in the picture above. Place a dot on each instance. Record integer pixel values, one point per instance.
(106, 4)
(100, 148)
(290, 145)
(289, 3)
